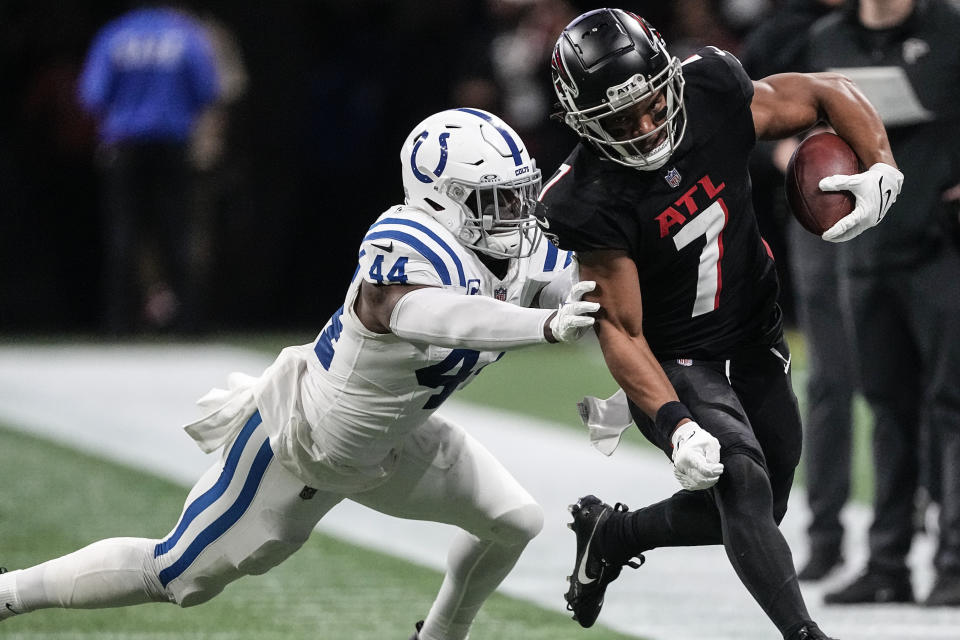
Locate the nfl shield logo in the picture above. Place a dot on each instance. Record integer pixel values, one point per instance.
(500, 293)
(673, 178)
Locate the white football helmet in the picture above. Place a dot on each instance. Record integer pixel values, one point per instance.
(472, 172)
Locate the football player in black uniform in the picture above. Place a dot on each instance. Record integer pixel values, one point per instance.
(656, 202)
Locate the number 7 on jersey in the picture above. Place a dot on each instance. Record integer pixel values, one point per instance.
(709, 223)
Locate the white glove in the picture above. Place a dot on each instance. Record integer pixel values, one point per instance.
(696, 457)
(570, 320)
(875, 190)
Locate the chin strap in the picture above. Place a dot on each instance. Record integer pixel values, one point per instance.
(505, 244)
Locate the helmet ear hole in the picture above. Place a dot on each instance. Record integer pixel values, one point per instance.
(435, 205)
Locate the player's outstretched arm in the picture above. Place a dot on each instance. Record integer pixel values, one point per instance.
(432, 315)
(619, 329)
(696, 455)
(790, 103)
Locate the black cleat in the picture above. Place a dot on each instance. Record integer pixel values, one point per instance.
(945, 592)
(873, 587)
(591, 573)
(416, 634)
(820, 564)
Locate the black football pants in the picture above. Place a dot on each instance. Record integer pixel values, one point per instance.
(748, 404)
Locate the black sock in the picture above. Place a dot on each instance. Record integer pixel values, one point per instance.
(685, 519)
(753, 542)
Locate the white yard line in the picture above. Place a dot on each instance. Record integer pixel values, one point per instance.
(127, 403)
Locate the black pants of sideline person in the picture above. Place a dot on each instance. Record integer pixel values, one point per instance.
(828, 439)
(147, 236)
(907, 334)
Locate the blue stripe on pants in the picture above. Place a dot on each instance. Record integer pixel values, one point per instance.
(213, 493)
(227, 520)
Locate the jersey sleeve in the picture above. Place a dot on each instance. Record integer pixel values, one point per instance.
(548, 261)
(547, 265)
(720, 72)
(401, 249)
(577, 212)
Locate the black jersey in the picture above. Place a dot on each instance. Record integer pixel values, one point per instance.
(707, 277)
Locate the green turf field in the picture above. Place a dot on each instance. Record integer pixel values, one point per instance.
(331, 589)
(56, 500)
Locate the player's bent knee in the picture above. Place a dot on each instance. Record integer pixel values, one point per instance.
(519, 526)
(197, 587)
(743, 466)
(746, 479)
(203, 583)
(269, 555)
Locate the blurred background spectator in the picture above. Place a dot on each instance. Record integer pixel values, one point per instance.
(511, 76)
(148, 77)
(219, 168)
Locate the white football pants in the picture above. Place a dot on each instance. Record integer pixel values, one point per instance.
(247, 514)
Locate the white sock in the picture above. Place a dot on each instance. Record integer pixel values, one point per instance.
(475, 569)
(9, 601)
(110, 573)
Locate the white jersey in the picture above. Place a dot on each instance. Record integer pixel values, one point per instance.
(341, 406)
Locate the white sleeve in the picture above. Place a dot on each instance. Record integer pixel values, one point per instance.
(453, 320)
(555, 292)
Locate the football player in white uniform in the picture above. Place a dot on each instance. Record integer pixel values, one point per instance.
(445, 284)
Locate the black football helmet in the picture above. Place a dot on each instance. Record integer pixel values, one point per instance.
(605, 62)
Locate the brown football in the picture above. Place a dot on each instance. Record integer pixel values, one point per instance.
(820, 155)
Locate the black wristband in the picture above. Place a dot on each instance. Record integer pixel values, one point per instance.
(669, 415)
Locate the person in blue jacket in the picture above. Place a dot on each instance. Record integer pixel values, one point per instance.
(147, 77)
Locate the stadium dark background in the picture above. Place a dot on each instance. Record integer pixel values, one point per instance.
(334, 87)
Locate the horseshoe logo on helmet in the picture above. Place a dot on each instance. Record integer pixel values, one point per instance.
(442, 139)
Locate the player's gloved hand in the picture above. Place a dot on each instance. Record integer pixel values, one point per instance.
(571, 319)
(875, 190)
(696, 457)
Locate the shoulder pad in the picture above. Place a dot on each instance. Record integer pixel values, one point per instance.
(711, 53)
(718, 71)
(405, 246)
(548, 259)
(576, 212)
